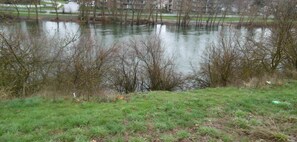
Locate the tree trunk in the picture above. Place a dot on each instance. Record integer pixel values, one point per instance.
(56, 9)
(36, 10)
(132, 22)
(94, 10)
(17, 9)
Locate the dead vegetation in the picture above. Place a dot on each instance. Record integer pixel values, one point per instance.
(254, 59)
(83, 66)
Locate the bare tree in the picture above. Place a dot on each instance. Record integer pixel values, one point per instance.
(15, 4)
(187, 8)
(133, 9)
(95, 9)
(103, 7)
(225, 8)
(85, 9)
(28, 6)
(113, 5)
(284, 33)
(150, 6)
(125, 73)
(272, 49)
(241, 6)
(36, 2)
(55, 4)
(159, 72)
(198, 11)
(27, 60)
(220, 61)
(86, 66)
(179, 8)
(184, 9)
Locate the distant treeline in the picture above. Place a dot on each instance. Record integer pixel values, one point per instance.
(183, 12)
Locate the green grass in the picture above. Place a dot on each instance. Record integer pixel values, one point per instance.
(214, 114)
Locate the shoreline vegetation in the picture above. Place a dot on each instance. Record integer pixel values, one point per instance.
(233, 59)
(88, 13)
(166, 20)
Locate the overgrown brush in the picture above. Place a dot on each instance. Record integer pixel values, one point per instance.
(5, 93)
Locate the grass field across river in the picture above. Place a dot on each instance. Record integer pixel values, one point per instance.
(216, 114)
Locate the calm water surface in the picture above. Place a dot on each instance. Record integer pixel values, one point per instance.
(186, 45)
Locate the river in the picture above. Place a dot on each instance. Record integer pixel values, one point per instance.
(185, 45)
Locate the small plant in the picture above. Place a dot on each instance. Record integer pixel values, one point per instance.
(168, 138)
(115, 128)
(98, 131)
(182, 134)
(241, 123)
(209, 131)
(240, 113)
(137, 126)
(279, 137)
(164, 126)
(266, 134)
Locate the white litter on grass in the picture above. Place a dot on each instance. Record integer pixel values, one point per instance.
(280, 103)
(276, 102)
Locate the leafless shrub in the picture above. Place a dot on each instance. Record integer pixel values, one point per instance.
(28, 60)
(125, 73)
(291, 74)
(275, 52)
(251, 60)
(233, 60)
(158, 71)
(221, 61)
(85, 67)
(25, 62)
(194, 80)
(142, 65)
(5, 93)
(241, 61)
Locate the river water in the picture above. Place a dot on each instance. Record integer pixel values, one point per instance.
(185, 45)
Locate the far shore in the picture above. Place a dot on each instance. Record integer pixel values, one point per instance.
(74, 17)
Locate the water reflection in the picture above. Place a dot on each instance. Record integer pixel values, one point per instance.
(186, 45)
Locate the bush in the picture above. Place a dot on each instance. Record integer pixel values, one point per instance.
(220, 62)
(142, 65)
(5, 93)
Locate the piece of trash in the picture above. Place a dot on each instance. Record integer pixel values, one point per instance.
(280, 103)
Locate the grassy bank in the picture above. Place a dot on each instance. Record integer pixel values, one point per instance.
(226, 114)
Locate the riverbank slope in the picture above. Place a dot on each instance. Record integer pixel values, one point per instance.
(215, 114)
